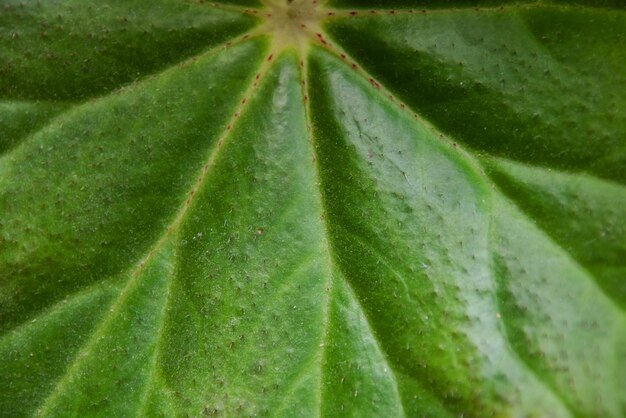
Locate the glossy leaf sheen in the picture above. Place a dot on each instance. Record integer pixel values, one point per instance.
(380, 211)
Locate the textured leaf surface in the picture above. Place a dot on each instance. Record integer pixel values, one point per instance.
(299, 208)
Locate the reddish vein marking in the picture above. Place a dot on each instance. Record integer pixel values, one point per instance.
(232, 8)
(351, 13)
(344, 57)
(135, 272)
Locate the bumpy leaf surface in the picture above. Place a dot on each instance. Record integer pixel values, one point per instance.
(307, 208)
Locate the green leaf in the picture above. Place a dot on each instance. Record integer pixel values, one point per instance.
(307, 208)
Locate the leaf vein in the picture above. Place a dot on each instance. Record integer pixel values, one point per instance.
(173, 226)
(329, 250)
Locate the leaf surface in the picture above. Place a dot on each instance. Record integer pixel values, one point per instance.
(291, 208)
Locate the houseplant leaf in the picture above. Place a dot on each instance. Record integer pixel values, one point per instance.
(400, 208)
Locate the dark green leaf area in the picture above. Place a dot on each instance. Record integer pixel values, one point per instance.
(583, 214)
(502, 89)
(37, 354)
(71, 50)
(548, 304)
(90, 192)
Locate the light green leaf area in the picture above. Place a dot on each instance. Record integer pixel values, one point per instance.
(307, 208)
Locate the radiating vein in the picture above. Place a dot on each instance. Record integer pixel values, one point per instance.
(584, 270)
(379, 346)
(234, 7)
(154, 363)
(541, 194)
(172, 228)
(343, 57)
(491, 348)
(108, 180)
(364, 11)
(549, 171)
(59, 306)
(323, 41)
(534, 87)
(328, 287)
(333, 267)
(535, 321)
(72, 108)
(505, 334)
